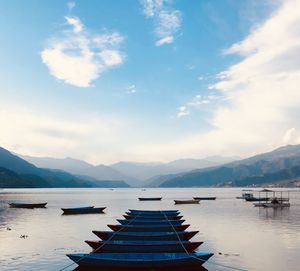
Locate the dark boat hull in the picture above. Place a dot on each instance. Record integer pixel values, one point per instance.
(153, 212)
(162, 215)
(143, 228)
(142, 246)
(163, 218)
(204, 198)
(257, 199)
(187, 201)
(149, 222)
(150, 199)
(28, 205)
(143, 236)
(76, 211)
(140, 260)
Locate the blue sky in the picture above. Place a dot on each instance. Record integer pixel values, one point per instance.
(139, 80)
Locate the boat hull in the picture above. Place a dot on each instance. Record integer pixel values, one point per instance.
(187, 201)
(153, 211)
(140, 260)
(149, 199)
(162, 218)
(143, 236)
(257, 199)
(151, 228)
(149, 222)
(204, 198)
(142, 246)
(28, 205)
(84, 210)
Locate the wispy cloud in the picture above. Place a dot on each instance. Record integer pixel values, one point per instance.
(182, 112)
(77, 57)
(167, 20)
(131, 89)
(199, 102)
(71, 5)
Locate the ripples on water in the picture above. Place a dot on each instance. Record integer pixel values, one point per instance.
(239, 234)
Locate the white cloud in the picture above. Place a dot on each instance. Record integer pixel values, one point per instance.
(78, 57)
(131, 89)
(71, 5)
(165, 40)
(167, 20)
(76, 23)
(261, 97)
(182, 111)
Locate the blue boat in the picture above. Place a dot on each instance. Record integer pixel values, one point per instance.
(124, 246)
(150, 228)
(162, 215)
(162, 218)
(82, 210)
(150, 222)
(143, 236)
(140, 260)
(153, 211)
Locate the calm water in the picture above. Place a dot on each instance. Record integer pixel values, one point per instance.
(239, 234)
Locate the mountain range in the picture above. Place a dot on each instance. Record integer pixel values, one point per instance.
(135, 174)
(273, 167)
(16, 172)
(278, 167)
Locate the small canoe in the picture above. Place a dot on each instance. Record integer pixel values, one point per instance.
(28, 205)
(153, 211)
(151, 228)
(82, 210)
(192, 201)
(142, 236)
(257, 199)
(149, 199)
(149, 222)
(142, 246)
(140, 217)
(153, 215)
(276, 205)
(145, 261)
(204, 198)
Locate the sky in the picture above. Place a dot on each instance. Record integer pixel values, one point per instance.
(149, 80)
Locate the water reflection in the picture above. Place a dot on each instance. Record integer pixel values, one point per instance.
(263, 239)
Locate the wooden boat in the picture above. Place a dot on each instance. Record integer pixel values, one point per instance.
(153, 211)
(143, 236)
(192, 201)
(82, 210)
(204, 198)
(149, 222)
(276, 205)
(142, 246)
(140, 217)
(153, 215)
(149, 199)
(150, 228)
(144, 261)
(256, 199)
(28, 205)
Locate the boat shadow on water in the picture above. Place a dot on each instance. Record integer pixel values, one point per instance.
(192, 268)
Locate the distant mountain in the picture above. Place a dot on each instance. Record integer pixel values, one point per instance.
(79, 167)
(16, 172)
(135, 174)
(264, 168)
(146, 171)
(102, 172)
(71, 165)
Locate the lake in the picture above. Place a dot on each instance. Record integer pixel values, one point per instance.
(240, 235)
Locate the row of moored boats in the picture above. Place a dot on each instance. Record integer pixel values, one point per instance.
(151, 239)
